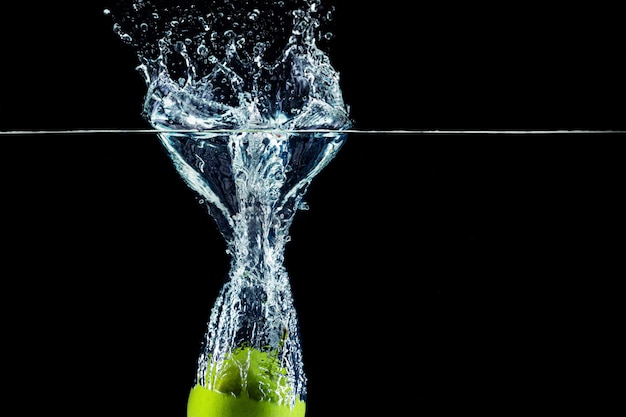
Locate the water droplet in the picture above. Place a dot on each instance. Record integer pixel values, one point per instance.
(254, 14)
(329, 14)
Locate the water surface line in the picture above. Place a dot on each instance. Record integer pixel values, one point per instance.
(409, 132)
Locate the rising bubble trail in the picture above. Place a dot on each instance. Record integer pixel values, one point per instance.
(243, 65)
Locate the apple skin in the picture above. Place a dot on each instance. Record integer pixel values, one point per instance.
(204, 402)
(249, 383)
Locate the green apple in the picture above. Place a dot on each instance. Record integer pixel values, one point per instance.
(247, 383)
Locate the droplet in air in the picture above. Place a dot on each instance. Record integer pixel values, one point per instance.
(254, 14)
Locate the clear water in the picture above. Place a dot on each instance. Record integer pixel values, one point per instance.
(243, 66)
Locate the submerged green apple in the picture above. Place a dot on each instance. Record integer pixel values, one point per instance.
(247, 383)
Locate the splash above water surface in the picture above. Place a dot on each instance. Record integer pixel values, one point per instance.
(234, 64)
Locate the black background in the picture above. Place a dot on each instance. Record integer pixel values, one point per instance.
(433, 274)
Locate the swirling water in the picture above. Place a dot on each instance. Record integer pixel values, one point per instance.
(243, 65)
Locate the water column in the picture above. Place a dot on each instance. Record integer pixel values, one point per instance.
(252, 183)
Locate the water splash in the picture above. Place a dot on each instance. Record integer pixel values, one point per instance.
(243, 65)
(235, 64)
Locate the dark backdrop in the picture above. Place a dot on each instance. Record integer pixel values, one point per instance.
(433, 274)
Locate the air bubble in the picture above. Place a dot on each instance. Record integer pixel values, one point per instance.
(179, 47)
(203, 51)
